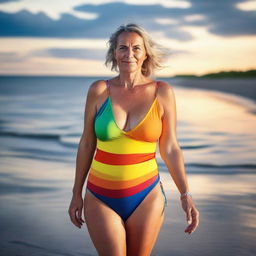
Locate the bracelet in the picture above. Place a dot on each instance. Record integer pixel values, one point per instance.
(185, 194)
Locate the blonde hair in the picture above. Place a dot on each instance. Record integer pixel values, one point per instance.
(156, 53)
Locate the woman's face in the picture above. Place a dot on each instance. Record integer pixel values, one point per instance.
(130, 52)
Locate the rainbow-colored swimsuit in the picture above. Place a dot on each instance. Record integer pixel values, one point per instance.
(124, 169)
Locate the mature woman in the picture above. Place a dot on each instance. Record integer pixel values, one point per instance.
(125, 117)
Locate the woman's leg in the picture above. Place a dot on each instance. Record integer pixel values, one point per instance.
(105, 226)
(143, 226)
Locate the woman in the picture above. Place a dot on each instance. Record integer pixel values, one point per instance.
(124, 118)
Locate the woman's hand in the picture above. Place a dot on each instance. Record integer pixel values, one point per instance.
(192, 214)
(75, 211)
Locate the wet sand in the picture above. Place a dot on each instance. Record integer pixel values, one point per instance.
(241, 87)
(37, 223)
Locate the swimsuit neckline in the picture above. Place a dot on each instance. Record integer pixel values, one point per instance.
(139, 123)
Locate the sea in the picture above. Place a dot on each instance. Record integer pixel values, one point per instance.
(41, 122)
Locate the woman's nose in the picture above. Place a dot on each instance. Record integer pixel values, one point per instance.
(129, 52)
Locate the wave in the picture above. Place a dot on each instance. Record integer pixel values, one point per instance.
(62, 139)
(30, 135)
(225, 166)
(224, 169)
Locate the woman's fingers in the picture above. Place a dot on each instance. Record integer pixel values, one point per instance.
(79, 215)
(75, 211)
(73, 217)
(195, 221)
(188, 213)
(189, 220)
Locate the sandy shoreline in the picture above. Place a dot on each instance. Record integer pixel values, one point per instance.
(227, 222)
(241, 87)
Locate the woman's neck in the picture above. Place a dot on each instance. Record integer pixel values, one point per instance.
(129, 80)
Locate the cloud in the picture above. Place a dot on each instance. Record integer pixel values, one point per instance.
(114, 14)
(85, 53)
(219, 17)
(26, 24)
(6, 1)
(224, 18)
(11, 57)
(71, 53)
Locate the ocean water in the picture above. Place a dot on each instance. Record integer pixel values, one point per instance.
(41, 121)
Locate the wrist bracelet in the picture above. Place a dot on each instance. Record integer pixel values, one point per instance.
(185, 194)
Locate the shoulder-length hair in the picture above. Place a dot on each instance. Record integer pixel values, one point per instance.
(156, 53)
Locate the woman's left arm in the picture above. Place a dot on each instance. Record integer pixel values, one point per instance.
(171, 153)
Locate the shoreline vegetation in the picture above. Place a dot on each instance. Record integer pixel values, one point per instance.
(222, 74)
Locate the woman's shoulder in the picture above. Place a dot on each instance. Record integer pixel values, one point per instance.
(97, 87)
(164, 87)
(96, 90)
(165, 90)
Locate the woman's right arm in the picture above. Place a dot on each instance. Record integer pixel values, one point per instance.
(87, 142)
(85, 152)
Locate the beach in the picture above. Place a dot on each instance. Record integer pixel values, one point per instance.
(40, 126)
(241, 87)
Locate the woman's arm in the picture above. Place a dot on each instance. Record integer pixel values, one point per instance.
(169, 148)
(172, 155)
(85, 151)
(87, 143)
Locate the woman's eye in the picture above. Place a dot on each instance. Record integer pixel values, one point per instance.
(123, 47)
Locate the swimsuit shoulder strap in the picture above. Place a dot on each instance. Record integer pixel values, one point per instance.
(156, 99)
(108, 85)
(156, 89)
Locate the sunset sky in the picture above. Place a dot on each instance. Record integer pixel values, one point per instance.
(69, 37)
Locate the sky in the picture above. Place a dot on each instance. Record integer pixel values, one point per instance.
(69, 37)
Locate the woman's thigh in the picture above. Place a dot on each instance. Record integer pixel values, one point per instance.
(143, 226)
(105, 226)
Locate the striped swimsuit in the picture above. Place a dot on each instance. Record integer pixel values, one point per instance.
(124, 168)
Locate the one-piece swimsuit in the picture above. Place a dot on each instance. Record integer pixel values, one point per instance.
(124, 168)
